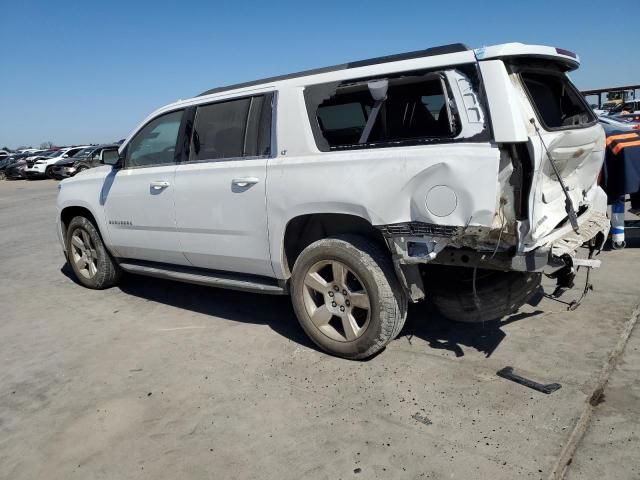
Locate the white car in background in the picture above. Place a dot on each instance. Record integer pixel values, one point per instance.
(41, 168)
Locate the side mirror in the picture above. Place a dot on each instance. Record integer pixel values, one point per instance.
(111, 157)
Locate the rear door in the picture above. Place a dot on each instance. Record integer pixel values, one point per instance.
(568, 128)
(220, 187)
(139, 198)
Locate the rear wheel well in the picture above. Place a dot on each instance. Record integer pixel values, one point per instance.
(302, 231)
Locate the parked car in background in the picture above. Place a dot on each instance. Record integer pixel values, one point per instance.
(86, 158)
(4, 154)
(6, 162)
(615, 124)
(32, 157)
(14, 168)
(41, 168)
(628, 117)
(632, 106)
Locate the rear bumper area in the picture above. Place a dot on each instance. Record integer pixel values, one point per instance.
(411, 246)
(594, 221)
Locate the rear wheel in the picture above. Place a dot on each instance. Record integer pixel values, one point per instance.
(347, 297)
(91, 262)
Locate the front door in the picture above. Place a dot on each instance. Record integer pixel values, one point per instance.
(139, 198)
(220, 190)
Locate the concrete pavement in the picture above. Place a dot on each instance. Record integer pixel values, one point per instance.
(155, 379)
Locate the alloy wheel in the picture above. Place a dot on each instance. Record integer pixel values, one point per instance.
(336, 301)
(83, 253)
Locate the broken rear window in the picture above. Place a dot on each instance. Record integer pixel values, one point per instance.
(415, 108)
(557, 102)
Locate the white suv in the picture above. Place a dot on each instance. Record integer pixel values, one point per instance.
(448, 173)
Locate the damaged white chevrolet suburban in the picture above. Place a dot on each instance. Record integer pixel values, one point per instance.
(448, 173)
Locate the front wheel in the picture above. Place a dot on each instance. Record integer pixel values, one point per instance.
(347, 297)
(91, 262)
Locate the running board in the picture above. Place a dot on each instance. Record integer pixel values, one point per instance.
(210, 278)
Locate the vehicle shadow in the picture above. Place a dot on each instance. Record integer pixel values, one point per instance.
(423, 320)
(272, 310)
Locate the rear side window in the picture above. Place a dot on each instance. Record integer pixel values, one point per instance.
(556, 101)
(232, 129)
(416, 108)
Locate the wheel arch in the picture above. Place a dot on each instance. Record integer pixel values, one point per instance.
(304, 229)
(69, 212)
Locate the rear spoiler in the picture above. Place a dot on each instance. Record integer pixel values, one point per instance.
(568, 59)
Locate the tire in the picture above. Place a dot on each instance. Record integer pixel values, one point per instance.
(376, 306)
(48, 172)
(498, 294)
(93, 267)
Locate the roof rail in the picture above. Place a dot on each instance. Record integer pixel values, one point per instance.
(429, 52)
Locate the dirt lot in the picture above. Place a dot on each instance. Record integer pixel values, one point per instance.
(162, 380)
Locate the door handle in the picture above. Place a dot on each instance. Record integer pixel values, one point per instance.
(244, 182)
(159, 184)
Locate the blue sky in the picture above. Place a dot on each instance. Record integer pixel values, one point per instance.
(79, 72)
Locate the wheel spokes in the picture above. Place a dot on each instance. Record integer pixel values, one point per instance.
(92, 268)
(321, 316)
(339, 274)
(316, 282)
(360, 300)
(86, 239)
(350, 327)
(77, 241)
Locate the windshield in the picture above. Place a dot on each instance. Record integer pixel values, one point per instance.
(85, 152)
(43, 154)
(556, 101)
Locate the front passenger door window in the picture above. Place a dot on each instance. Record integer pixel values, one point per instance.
(155, 144)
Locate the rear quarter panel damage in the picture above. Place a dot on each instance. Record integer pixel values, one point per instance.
(386, 186)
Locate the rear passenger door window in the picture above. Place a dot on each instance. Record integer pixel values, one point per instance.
(155, 143)
(232, 129)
